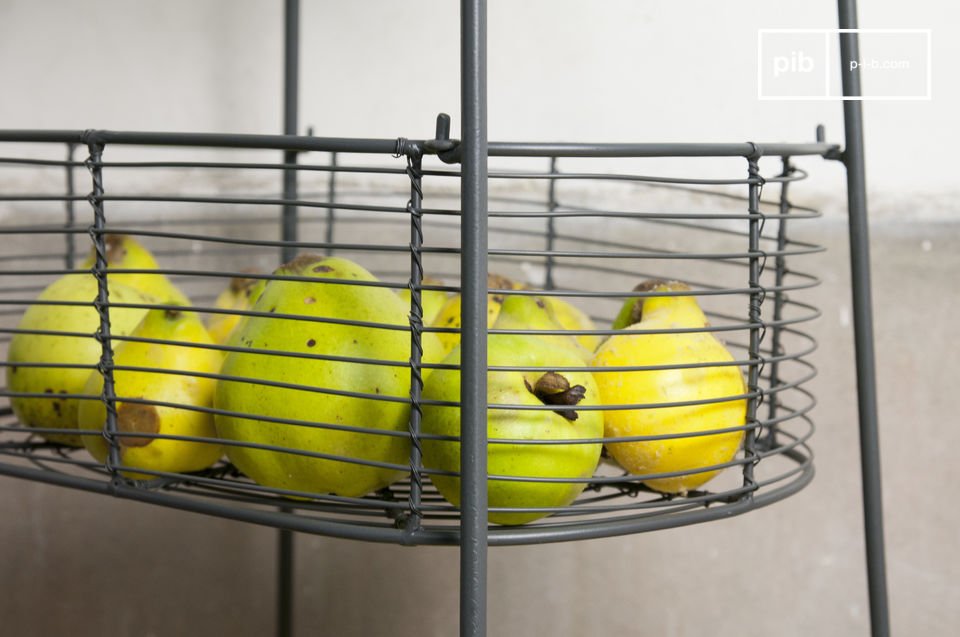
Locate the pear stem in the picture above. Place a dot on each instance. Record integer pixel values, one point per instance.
(554, 389)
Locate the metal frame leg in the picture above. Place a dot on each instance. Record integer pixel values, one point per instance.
(291, 69)
(291, 91)
(473, 277)
(853, 158)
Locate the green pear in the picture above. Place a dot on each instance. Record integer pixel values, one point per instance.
(533, 313)
(432, 301)
(381, 406)
(59, 411)
(535, 388)
(148, 452)
(126, 253)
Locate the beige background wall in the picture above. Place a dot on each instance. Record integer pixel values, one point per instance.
(79, 564)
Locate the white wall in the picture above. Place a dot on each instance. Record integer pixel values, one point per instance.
(559, 70)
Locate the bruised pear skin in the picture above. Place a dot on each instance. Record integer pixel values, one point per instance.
(55, 411)
(321, 297)
(126, 253)
(670, 385)
(183, 388)
(576, 460)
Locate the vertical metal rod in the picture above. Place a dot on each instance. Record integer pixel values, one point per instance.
(285, 582)
(853, 158)
(105, 367)
(756, 324)
(70, 257)
(473, 339)
(415, 208)
(779, 299)
(291, 92)
(549, 283)
(291, 88)
(331, 197)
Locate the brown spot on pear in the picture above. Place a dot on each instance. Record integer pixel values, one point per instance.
(137, 418)
(298, 264)
(116, 250)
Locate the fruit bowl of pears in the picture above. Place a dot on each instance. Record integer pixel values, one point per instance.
(298, 387)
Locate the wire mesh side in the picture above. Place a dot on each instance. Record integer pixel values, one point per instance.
(560, 225)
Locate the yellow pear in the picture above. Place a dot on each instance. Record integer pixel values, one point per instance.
(570, 317)
(620, 388)
(68, 346)
(432, 301)
(126, 253)
(149, 452)
(449, 315)
(237, 296)
(326, 394)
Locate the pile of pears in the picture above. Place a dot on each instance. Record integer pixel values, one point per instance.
(164, 368)
(303, 379)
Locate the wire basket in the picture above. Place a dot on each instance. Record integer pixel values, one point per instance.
(581, 223)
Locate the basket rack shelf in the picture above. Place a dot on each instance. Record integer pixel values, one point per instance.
(469, 206)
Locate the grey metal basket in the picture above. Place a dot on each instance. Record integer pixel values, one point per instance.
(582, 222)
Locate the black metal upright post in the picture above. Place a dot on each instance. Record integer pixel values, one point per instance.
(473, 339)
(779, 300)
(853, 158)
(331, 198)
(755, 306)
(102, 304)
(291, 92)
(415, 207)
(70, 256)
(552, 205)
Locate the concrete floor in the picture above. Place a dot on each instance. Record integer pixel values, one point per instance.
(78, 564)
